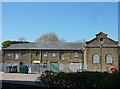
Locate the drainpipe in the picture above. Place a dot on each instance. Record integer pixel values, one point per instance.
(101, 57)
(39, 60)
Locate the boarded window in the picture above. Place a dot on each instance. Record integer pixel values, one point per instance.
(109, 58)
(95, 58)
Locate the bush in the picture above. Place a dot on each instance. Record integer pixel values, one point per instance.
(8, 43)
(81, 80)
(112, 80)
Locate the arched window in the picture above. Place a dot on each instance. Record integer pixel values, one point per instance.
(109, 58)
(95, 58)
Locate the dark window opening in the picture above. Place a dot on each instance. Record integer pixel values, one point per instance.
(101, 39)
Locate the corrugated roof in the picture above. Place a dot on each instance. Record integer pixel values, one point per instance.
(48, 45)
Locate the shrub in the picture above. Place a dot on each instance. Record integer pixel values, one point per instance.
(8, 43)
(81, 80)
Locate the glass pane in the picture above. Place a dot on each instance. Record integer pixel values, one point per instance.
(23, 53)
(96, 58)
(54, 54)
(109, 58)
(75, 54)
(8, 54)
(62, 56)
(45, 54)
(16, 55)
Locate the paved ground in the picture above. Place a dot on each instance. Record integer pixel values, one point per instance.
(17, 78)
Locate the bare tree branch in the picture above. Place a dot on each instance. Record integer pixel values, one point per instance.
(49, 37)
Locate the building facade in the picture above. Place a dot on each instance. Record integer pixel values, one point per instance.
(99, 54)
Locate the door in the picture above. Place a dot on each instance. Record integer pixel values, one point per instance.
(54, 66)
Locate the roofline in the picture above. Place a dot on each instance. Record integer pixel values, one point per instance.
(101, 33)
(43, 49)
(104, 46)
(91, 40)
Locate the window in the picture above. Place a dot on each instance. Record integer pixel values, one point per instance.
(8, 54)
(23, 54)
(15, 55)
(109, 58)
(101, 40)
(62, 56)
(4, 53)
(37, 53)
(76, 54)
(95, 58)
(45, 54)
(53, 54)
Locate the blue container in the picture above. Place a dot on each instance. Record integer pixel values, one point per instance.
(29, 70)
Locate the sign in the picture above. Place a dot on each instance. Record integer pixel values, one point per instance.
(35, 61)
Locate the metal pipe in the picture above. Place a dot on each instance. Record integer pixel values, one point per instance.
(101, 58)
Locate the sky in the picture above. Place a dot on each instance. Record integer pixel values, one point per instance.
(73, 21)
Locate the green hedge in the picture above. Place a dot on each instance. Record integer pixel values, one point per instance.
(81, 80)
(8, 43)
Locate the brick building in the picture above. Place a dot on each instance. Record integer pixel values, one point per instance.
(99, 54)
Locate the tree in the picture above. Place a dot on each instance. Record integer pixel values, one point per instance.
(49, 37)
(8, 43)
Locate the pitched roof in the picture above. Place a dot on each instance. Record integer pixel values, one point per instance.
(48, 46)
(100, 34)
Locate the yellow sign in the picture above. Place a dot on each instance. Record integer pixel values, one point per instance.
(36, 61)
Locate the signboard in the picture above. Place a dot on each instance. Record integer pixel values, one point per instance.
(36, 61)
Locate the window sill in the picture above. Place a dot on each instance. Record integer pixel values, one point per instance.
(96, 63)
(76, 57)
(109, 63)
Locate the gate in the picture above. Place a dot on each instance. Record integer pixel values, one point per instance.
(54, 66)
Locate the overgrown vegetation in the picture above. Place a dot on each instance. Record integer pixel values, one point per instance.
(8, 43)
(49, 37)
(81, 80)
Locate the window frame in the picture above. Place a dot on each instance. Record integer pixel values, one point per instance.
(94, 60)
(102, 39)
(16, 56)
(23, 53)
(53, 54)
(76, 55)
(109, 59)
(8, 54)
(37, 53)
(45, 54)
(62, 55)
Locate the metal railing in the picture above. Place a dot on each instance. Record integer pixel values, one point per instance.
(39, 68)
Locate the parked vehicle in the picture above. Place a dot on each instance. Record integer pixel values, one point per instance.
(81, 70)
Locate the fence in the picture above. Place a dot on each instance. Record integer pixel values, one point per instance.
(39, 68)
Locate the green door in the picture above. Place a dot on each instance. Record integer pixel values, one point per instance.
(54, 66)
